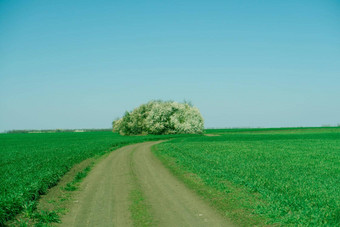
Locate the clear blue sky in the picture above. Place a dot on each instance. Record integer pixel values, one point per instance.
(81, 64)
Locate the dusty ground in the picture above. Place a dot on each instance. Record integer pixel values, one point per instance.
(104, 197)
(212, 135)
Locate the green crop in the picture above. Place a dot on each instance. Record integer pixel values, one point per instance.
(32, 163)
(294, 172)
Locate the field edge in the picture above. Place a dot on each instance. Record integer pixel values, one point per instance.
(235, 204)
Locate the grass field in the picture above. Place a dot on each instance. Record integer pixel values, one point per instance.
(263, 176)
(254, 176)
(32, 163)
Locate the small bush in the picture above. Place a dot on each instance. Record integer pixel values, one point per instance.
(159, 118)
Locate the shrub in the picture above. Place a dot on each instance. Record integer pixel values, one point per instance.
(158, 118)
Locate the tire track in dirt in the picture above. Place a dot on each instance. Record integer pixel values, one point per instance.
(104, 196)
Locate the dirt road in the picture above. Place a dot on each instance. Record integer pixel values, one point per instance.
(104, 197)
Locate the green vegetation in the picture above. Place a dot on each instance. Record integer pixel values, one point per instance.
(73, 185)
(269, 176)
(33, 162)
(47, 217)
(139, 208)
(160, 118)
(287, 176)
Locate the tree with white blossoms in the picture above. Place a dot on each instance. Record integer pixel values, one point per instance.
(159, 117)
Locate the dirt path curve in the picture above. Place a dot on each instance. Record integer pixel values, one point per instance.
(104, 198)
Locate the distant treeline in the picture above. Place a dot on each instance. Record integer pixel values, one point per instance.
(57, 130)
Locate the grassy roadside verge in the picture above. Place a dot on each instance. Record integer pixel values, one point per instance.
(74, 184)
(51, 206)
(139, 208)
(236, 204)
(47, 211)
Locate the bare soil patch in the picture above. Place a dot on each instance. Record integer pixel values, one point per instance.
(212, 135)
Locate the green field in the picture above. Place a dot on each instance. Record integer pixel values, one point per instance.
(263, 176)
(254, 176)
(32, 163)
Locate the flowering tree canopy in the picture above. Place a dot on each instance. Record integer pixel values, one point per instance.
(159, 117)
